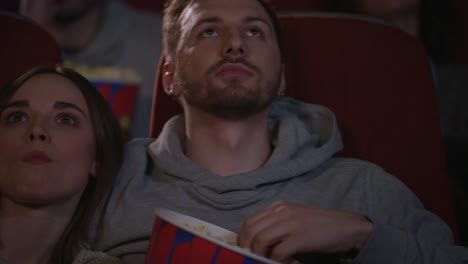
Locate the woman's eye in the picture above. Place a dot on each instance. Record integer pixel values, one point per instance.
(67, 120)
(16, 117)
(209, 33)
(254, 32)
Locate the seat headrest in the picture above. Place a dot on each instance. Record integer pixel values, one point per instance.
(24, 45)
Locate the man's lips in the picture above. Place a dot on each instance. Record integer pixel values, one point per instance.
(36, 158)
(234, 70)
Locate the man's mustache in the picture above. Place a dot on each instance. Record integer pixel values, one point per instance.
(242, 61)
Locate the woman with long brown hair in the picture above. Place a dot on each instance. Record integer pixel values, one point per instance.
(61, 147)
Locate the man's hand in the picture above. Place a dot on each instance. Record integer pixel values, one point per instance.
(286, 229)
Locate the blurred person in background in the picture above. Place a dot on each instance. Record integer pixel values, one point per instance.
(114, 46)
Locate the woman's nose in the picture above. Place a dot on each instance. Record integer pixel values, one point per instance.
(38, 133)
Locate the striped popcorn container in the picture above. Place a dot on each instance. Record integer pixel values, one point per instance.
(178, 238)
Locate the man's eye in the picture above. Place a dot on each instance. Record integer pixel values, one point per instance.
(16, 117)
(66, 120)
(254, 32)
(209, 33)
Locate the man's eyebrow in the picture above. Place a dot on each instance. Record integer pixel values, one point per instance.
(208, 20)
(248, 19)
(67, 105)
(251, 19)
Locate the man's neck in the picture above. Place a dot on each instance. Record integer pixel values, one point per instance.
(34, 231)
(227, 147)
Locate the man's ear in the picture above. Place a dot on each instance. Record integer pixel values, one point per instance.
(168, 79)
(282, 87)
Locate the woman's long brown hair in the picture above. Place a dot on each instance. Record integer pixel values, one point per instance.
(108, 157)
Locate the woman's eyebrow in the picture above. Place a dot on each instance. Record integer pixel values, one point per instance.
(67, 105)
(17, 104)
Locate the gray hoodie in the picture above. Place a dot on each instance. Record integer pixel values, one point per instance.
(300, 169)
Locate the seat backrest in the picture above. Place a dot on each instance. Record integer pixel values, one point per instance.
(461, 31)
(299, 5)
(279, 5)
(9, 5)
(378, 81)
(23, 46)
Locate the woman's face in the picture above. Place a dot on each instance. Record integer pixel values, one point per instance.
(47, 143)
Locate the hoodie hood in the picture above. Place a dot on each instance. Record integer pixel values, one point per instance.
(303, 135)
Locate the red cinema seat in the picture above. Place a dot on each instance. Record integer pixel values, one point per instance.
(298, 5)
(24, 45)
(461, 31)
(279, 5)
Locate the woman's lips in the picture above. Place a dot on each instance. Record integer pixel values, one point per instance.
(36, 158)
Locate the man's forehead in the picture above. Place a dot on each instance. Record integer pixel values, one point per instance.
(223, 10)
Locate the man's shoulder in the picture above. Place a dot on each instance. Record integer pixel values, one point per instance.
(135, 164)
(137, 147)
(136, 154)
(371, 173)
(349, 163)
(365, 170)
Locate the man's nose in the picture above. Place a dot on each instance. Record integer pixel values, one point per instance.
(235, 46)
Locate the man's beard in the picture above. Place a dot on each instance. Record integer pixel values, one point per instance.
(66, 18)
(232, 102)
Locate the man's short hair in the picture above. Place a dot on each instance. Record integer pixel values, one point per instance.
(172, 25)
